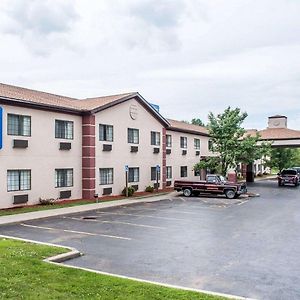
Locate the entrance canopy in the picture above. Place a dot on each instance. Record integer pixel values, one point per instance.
(278, 133)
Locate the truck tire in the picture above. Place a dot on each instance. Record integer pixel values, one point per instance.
(187, 192)
(230, 194)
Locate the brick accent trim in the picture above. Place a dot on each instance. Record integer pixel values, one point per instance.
(164, 159)
(88, 157)
(244, 170)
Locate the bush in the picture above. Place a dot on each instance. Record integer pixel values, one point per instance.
(48, 201)
(149, 189)
(131, 191)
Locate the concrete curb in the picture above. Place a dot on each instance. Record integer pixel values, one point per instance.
(64, 256)
(41, 214)
(58, 259)
(73, 253)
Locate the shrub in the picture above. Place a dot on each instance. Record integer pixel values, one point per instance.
(131, 191)
(149, 189)
(48, 201)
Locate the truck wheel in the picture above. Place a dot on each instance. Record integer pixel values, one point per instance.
(187, 192)
(230, 194)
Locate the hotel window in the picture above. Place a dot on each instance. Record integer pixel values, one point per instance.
(18, 125)
(18, 180)
(64, 129)
(197, 173)
(183, 142)
(133, 136)
(153, 173)
(155, 138)
(133, 175)
(183, 171)
(106, 132)
(106, 176)
(197, 144)
(168, 140)
(169, 172)
(63, 177)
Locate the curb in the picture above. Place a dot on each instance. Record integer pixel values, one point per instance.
(57, 259)
(42, 214)
(64, 256)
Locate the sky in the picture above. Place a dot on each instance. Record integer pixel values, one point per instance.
(190, 57)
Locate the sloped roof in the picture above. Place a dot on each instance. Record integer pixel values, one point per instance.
(36, 97)
(274, 133)
(186, 127)
(23, 96)
(279, 134)
(94, 103)
(251, 132)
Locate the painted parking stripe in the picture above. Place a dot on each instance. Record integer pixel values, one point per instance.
(116, 222)
(77, 232)
(242, 202)
(171, 210)
(136, 215)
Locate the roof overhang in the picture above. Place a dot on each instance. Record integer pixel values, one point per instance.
(171, 128)
(40, 106)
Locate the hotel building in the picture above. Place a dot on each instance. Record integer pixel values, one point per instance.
(53, 146)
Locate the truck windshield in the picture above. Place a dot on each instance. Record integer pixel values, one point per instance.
(222, 179)
(289, 172)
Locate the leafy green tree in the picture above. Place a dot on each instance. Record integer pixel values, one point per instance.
(210, 163)
(228, 139)
(282, 158)
(197, 121)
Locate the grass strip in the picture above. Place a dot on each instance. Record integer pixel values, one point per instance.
(23, 275)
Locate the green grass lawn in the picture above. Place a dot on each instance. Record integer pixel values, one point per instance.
(23, 275)
(20, 210)
(12, 211)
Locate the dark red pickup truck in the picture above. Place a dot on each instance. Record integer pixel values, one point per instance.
(214, 184)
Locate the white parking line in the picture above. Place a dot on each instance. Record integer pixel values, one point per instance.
(243, 202)
(171, 210)
(115, 222)
(136, 215)
(77, 232)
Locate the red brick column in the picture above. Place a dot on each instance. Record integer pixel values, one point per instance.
(88, 157)
(244, 170)
(232, 177)
(164, 159)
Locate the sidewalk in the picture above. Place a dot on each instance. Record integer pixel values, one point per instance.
(257, 178)
(80, 208)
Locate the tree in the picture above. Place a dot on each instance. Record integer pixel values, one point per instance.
(228, 139)
(210, 163)
(282, 158)
(197, 121)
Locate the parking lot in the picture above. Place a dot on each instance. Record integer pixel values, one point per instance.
(247, 247)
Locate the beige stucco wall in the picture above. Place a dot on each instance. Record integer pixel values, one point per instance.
(42, 156)
(176, 159)
(120, 118)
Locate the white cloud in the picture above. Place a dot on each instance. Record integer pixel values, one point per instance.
(191, 57)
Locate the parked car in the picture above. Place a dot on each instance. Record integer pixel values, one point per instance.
(288, 176)
(214, 184)
(298, 170)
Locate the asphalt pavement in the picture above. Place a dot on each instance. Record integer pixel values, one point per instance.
(247, 247)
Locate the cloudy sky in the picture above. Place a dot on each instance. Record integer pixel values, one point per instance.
(188, 56)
